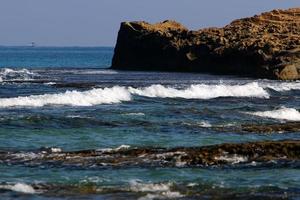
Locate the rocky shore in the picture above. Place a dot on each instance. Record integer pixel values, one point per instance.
(262, 46)
(215, 155)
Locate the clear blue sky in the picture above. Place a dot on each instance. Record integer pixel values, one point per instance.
(96, 22)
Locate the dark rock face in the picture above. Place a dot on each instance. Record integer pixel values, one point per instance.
(265, 46)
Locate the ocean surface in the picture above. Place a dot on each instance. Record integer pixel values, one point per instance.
(56, 100)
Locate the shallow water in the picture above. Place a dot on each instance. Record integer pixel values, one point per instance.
(66, 99)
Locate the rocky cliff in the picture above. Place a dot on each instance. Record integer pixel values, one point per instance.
(262, 46)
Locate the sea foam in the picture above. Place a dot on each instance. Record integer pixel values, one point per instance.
(155, 190)
(19, 187)
(284, 86)
(72, 98)
(121, 147)
(233, 159)
(203, 91)
(7, 74)
(119, 94)
(86, 72)
(283, 113)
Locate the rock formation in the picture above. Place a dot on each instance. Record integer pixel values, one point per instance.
(272, 128)
(263, 46)
(215, 155)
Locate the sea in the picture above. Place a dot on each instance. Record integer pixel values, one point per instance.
(68, 124)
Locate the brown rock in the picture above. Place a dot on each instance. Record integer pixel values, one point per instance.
(272, 128)
(222, 154)
(265, 46)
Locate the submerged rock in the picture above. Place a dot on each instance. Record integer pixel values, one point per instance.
(271, 128)
(145, 190)
(124, 156)
(264, 46)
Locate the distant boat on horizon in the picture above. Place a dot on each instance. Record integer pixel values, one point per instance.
(33, 44)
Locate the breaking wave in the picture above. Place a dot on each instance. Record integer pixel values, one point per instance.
(119, 94)
(284, 86)
(203, 91)
(73, 98)
(155, 190)
(19, 187)
(283, 113)
(7, 74)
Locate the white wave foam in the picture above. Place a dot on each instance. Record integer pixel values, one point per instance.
(118, 94)
(73, 98)
(285, 86)
(233, 159)
(50, 83)
(203, 91)
(283, 113)
(192, 184)
(7, 74)
(174, 156)
(154, 190)
(163, 195)
(19, 187)
(204, 124)
(149, 187)
(121, 147)
(170, 154)
(105, 71)
(55, 150)
(6, 71)
(135, 114)
(26, 156)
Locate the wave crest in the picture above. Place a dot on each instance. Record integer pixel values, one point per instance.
(202, 91)
(73, 98)
(283, 113)
(119, 94)
(7, 74)
(19, 187)
(285, 86)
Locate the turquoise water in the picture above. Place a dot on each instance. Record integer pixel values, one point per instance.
(65, 99)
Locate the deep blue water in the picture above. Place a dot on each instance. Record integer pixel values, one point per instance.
(67, 99)
(74, 57)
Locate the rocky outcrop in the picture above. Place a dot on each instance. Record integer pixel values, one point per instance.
(263, 46)
(215, 155)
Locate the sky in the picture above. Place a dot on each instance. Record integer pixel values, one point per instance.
(96, 22)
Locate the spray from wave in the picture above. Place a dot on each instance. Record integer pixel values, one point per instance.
(283, 113)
